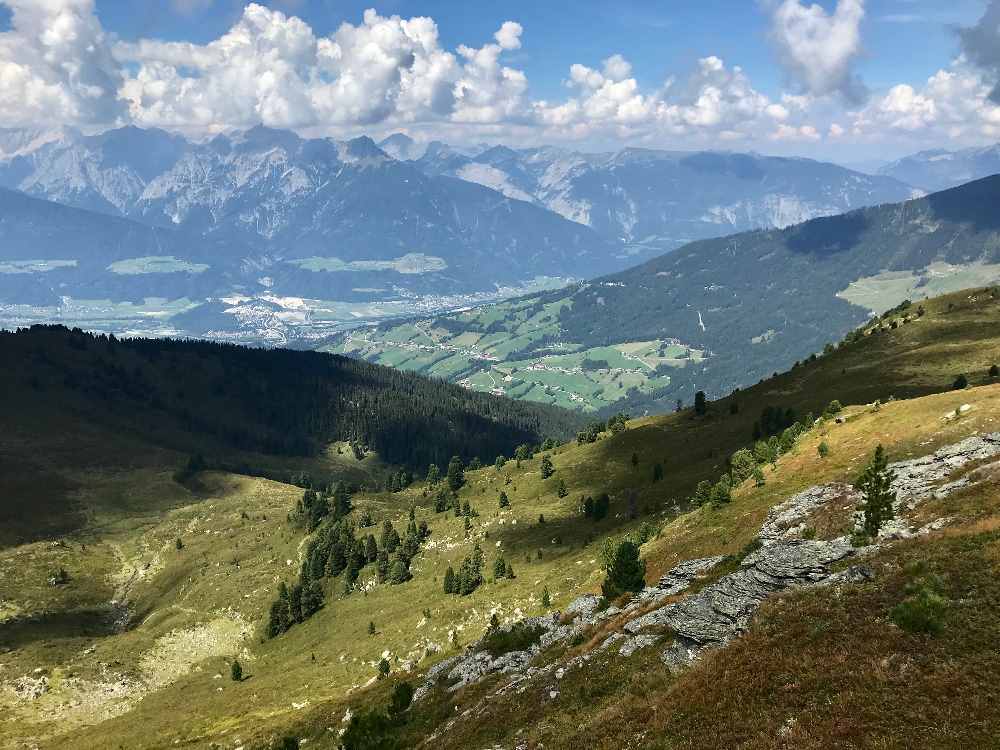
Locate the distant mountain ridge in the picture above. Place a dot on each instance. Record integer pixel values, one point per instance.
(940, 169)
(665, 198)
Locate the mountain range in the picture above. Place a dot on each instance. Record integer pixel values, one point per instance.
(654, 201)
(263, 235)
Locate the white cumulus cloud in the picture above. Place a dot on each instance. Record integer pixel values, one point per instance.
(819, 48)
(272, 68)
(56, 66)
(954, 104)
(715, 102)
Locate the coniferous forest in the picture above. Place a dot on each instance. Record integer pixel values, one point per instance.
(279, 402)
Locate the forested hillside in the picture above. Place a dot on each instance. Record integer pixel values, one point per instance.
(188, 393)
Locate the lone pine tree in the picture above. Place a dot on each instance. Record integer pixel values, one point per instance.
(875, 485)
(626, 571)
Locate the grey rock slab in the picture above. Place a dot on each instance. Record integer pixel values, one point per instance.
(784, 520)
(916, 478)
(682, 575)
(723, 609)
(637, 642)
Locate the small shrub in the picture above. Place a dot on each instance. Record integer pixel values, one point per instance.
(59, 578)
(400, 699)
(236, 671)
(520, 637)
(994, 371)
(923, 611)
(961, 383)
(823, 449)
(875, 485)
(626, 571)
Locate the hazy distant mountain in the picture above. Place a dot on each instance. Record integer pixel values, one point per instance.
(940, 169)
(402, 147)
(106, 172)
(48, 251)
(325, 227)
(297, 199)
(661, 199)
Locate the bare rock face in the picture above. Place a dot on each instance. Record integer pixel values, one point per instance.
(785, 519)
(723, 610)
(916, 479)
(682, 575)
(472, 668)
(676, 581)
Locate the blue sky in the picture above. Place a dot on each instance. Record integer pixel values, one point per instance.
(862, 79)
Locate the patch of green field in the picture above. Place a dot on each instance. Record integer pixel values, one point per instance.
(155, 264)
(556, 375)
(529, 340)
(411, 263)
(887, 289)
(34, 266)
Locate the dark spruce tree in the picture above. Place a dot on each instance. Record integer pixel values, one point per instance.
(626, 571)
(700, 404)
(456, 474)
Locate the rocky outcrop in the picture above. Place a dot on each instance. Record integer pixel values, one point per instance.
(917, 478)
(683, 575)
(788, 519)
(724, 609)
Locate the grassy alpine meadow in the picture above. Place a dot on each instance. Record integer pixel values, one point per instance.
(815, 670)
(120, 623)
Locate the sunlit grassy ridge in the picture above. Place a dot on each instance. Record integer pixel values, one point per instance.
(196, 608)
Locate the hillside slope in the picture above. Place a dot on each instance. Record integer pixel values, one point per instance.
(48, 251)
(191, 609)
(235, 407)
(713, 315)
